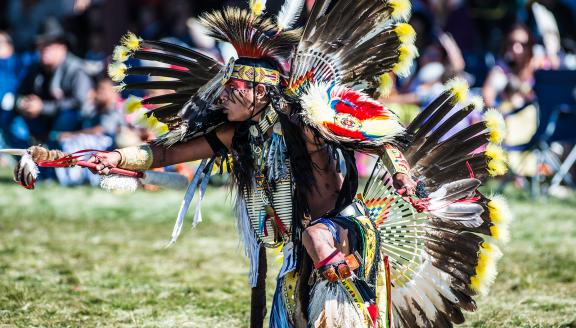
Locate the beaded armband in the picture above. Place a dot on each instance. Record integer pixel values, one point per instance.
(138, 158)
(395, 161)
(338, 270)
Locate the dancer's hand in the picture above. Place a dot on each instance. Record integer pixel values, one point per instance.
(105, 161)
(404, 184)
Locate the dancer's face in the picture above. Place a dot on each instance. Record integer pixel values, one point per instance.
(240, 100)
(237, 100)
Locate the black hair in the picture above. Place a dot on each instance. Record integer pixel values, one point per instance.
(243, 172)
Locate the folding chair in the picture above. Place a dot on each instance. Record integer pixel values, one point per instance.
(555, 93)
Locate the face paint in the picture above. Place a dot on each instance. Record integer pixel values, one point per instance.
(237, 100)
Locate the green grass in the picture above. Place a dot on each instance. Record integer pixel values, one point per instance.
(84, 257)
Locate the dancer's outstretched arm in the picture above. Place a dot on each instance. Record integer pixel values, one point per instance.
(145, 157)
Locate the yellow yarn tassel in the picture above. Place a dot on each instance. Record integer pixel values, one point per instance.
(497, 164)
(477, 102)
(401, 9)
(496, 125)
(257, 7)
(407, 53)
(119, 87)
(131, 41)
(486, 268)
(385, 85)
(459, 88)
(132, 104)
(405, 33)
(121, 54)
(156, 126)
(500, 216)
(141, 117)
(499, 210)
(117, 71)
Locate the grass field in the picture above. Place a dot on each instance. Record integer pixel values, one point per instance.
(87, 258)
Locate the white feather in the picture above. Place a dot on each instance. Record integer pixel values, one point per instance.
(441, 281)
(330, 306)
(433, 295)
(420, 297)
(453, 191)
(27, 162)
(16, 152)
(465, 214)
(289, 14)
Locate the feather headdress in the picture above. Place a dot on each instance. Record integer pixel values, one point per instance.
(252, 36)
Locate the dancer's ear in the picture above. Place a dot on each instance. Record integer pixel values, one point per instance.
(260, 93)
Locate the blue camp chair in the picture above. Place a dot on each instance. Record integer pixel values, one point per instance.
(556, 100)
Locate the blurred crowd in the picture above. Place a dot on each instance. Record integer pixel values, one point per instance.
(54, 53)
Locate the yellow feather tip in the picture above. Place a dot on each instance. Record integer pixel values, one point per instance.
(385, 85)
(498, 162)
(151, 121)
(486, 268)
(257, 7)
(405, 33)
(121, 54)
(131, 41)
(459, 88)
(401, 9)
(477, 102)
(132, 104)
(500, 233)
(161, 129)
(141, 117)
(497, 168)
(499, 210)
(117, 71)
(119, 87)
(496, 125)
(406, 55)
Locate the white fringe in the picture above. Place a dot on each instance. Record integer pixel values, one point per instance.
(116, 182)
(247, 238)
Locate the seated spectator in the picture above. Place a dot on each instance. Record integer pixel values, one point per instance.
(99, 132)
(509, 85)
(13, 67)
(509, 88)
(512, 79)
(53, 97)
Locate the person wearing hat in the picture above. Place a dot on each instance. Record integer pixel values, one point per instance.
(53, 97)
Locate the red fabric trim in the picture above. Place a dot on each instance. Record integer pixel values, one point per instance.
(338, 130)
(334, 257)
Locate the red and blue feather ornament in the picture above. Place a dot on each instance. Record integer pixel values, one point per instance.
(345, 115)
